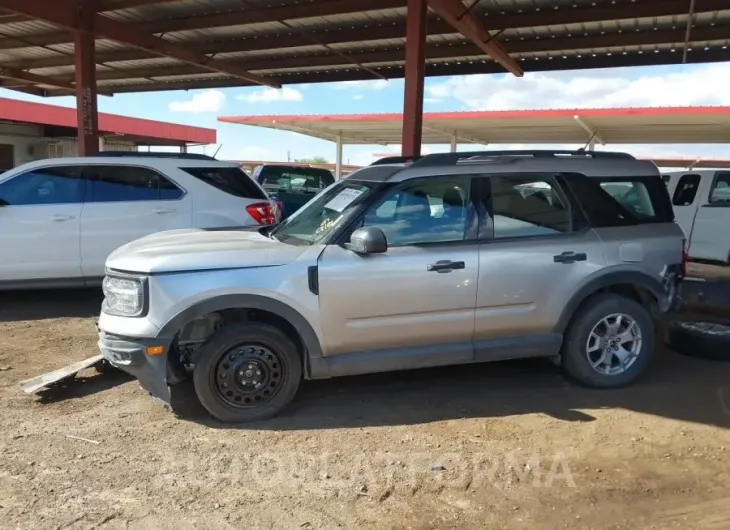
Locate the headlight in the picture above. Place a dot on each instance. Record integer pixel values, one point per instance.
(123, 296)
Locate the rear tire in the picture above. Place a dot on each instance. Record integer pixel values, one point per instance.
(247, 372)
(602, 350)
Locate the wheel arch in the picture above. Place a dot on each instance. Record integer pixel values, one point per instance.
(645, 285)
(309, 338)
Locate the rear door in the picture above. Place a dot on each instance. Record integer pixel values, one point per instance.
(710, 235)
(40, 211)
(685, 201)
(124, 203)
(534, 253)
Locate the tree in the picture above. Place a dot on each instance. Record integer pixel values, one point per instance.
(312, 160)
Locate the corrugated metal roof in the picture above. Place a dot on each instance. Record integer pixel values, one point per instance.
(304, 38)
(547, 126)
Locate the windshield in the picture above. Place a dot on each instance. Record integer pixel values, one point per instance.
(320, 216)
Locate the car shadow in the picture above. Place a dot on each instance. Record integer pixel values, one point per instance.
(676, 387)
(44, 304)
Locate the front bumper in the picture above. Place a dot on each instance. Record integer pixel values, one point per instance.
(130, 355)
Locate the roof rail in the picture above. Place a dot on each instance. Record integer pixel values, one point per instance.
(152, 154)
(396, 160)
(448, 159)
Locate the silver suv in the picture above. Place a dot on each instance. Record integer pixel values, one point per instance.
(449, 259)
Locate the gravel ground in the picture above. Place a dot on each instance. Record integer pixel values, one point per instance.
(505, 445)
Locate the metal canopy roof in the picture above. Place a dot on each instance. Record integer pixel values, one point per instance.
(62, 121)
(304, 41)
(653, 125)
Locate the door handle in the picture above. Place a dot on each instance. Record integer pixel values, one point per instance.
(59, 218)
(161, 211)
(446, 265)
(569, 257)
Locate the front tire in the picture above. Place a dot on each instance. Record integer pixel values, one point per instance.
(609, 343)
(247, 372)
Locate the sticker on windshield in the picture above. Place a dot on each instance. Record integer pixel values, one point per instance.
(343, 199)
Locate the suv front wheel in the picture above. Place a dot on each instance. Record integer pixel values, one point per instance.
(609, 342)
(247, 372)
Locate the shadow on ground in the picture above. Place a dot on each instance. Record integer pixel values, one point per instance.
(44, 304)
(82, 386)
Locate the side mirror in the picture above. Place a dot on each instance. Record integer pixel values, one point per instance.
(367, 240)
(3, 202)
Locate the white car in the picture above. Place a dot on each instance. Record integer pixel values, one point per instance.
(701, 202)
(61, 218)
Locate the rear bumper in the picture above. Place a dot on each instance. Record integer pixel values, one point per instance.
(130, 355)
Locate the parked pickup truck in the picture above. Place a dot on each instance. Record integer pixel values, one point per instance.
(701, 203)
(293, 186)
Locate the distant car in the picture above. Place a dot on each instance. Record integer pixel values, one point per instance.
(292, 185)
(701, 202)
(61, 218)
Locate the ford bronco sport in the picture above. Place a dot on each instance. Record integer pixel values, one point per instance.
(454, 258)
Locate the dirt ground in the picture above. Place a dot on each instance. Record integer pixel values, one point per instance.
(506, 445)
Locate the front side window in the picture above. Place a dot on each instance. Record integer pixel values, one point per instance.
(48, 185)
(720, 194)
(129, 184)
(686, 190)
(322, 215)
(432, 210)
(525, 207)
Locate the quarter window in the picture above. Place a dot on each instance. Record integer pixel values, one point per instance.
(526, 207)
(720, 193)
(434, 210)
(48, 185)
(686, 190)
(130, 184)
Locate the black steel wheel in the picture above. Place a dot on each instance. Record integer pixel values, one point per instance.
(247, 372)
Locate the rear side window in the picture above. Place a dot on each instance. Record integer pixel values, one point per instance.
(623, 201)
(720, 194)
(294, 180)
(129, 184)
(686, 190)
(231, 180)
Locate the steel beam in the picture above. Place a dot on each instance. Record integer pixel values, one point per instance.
(414, 77)
(63, 13)
(433, 51)
(34, 79)
(452, 11)
(476, 66)
(86, 108)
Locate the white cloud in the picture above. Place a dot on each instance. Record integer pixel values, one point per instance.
(271, 95)
(358, 97)
(376, 84)
(620, 87)
(207, 101)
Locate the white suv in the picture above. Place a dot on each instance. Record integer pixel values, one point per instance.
(61, 218)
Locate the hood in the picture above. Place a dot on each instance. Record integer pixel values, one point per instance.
(197, 249)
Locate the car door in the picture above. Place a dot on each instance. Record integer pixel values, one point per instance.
(40, 211)
(415, 302)
(684, 201)
(532, 258)
(124, 203)
(710, 236)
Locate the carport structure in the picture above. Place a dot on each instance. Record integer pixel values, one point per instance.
(90, 47)
(649, 125)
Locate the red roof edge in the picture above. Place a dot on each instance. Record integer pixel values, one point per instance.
(45, 114)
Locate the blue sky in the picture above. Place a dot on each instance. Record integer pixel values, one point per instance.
(646, 86)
